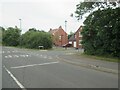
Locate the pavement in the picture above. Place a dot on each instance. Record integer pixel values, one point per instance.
(70, 56)
(22, 68)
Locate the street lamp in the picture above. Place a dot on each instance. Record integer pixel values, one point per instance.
(65, 33)
(65, 29)
(20, 31)
(20, 23)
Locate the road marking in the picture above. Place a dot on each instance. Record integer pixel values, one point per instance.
(22, 55)
(70, 53)
(9, 56)
(16, 56)
(13, 77)
(6, 56)
(35, 65)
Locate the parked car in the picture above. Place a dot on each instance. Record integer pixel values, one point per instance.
(67, 45)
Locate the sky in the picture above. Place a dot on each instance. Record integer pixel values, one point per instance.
(39, 14)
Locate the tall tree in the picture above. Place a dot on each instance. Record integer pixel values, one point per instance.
(11, 36)
(101, 28)
(34, 39)
(88, 7)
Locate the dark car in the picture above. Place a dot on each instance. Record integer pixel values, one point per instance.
(67, 45)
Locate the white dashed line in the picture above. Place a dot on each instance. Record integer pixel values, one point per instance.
(9, 56)
(16, 56)
(6, 56)
(13, 77)
(35, 65)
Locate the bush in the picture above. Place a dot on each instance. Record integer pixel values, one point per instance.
(101, 34)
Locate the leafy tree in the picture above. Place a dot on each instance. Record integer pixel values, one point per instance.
(1, 32)
(71, 33)
(34, 39)
(101, 35)
(11, 36)
(88, 7)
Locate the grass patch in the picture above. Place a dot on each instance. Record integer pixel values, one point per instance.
(103, 58)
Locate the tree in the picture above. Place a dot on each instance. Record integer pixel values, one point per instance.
(1, 32)
(71, 33)
(89, 7)
(34, 39)
(11, 36)
(101, 28)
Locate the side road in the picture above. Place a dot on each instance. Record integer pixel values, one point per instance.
(69, 56)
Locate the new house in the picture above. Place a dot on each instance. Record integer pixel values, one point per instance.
(59, 36)
(76, 38)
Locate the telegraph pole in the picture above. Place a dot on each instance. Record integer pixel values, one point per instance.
(65, 29)
(20, 30)
(66, 32)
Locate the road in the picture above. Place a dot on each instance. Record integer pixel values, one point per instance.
(22, 68)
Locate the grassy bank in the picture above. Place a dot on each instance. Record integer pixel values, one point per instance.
(104, 58)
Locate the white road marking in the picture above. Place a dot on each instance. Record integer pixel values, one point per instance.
(16, 56)
(22, 55)
(70, 53)
(6, 56)
(9, 56)
(27, 55)
(35, 65)
(18, 83)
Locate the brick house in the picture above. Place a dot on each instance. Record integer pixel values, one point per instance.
(76, 38)
(59, 36)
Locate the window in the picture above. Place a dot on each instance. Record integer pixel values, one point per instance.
(80, 34)
(80, 42)
(59, 37)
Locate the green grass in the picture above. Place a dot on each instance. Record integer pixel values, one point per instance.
(103, 58)
(0, 44)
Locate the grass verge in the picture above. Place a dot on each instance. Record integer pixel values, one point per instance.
(103, 58)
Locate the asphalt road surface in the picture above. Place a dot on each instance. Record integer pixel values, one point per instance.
(23, 68)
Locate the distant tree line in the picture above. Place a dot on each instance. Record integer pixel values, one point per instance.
(101, 30)
(31, 39)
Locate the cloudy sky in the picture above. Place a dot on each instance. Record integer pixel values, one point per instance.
(39, 14)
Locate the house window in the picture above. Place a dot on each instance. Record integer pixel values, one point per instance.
(80, 42)
(59, 37)
(80, 34)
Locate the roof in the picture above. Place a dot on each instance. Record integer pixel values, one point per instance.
(72, 38)
(53, 31)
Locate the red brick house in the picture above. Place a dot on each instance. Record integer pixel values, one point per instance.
(76, 38)
(59, 36)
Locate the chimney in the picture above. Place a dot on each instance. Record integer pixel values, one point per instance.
(60, 27)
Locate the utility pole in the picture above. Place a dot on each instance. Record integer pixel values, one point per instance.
(65, 29)
(20, 30)
(65, 33)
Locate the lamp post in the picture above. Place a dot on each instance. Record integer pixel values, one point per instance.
(66, 32)
(20, 24)
(20, 31)
(65, 29)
